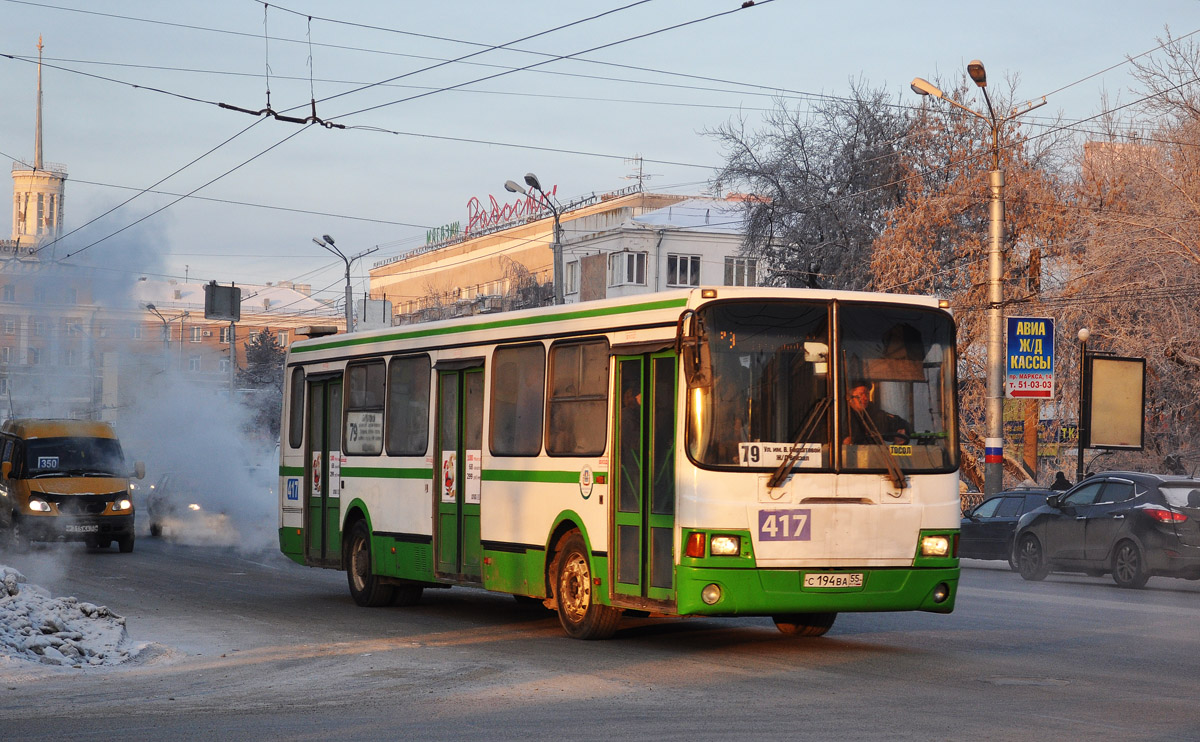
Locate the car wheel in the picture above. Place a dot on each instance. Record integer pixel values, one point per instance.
(805, 624)
(1031, 561)
(1128, 567)
(156, 530)
(365, 586)
(578, 612)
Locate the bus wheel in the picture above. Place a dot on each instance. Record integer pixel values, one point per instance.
(125, 544)
(365, 586)
(805, 624)
(581, 616)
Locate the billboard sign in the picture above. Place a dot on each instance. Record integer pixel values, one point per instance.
(1030, 358)
(1115, 413)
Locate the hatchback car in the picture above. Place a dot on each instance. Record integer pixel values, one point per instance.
(987, 529)
(1127, 524)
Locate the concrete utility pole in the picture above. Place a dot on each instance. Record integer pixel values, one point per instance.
(993, 452)
(326, 242)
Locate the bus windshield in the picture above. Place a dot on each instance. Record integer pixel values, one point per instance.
(74, 457)
(769, 391)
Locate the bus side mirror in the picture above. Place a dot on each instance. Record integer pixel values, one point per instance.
(139, 470)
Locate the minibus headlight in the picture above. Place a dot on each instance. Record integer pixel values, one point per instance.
(39, 505)
(122, 504)
(935, 546)
(725, 546)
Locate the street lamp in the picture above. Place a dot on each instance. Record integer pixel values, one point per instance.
(993, 452)
(1083, 335)
(326, 242)
(531, 180)
(167, 327)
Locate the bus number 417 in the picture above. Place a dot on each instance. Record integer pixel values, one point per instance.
(784, 525)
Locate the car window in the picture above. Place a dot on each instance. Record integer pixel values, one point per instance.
(1033, 502)
(1009, 507)
(987, 509)
(1083, 495)
(1182, 495)
(1116, 492)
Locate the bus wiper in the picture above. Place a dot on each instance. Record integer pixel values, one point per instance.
(889, 459)
(789, 462)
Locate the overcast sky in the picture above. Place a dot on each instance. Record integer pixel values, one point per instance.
(415, 152)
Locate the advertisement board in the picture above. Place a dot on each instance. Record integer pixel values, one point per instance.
(1030, 358)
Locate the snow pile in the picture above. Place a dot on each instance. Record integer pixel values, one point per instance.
(57, 631)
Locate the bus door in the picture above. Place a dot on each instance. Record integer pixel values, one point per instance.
(643, 475)
(460, 458)
(322, 506)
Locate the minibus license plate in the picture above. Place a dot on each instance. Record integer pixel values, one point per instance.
(853, 579)
(83, 529)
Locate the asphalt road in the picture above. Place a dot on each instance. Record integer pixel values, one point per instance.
(260, 648)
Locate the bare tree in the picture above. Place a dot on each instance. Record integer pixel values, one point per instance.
(823, 180)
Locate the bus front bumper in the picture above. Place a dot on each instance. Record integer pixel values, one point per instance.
(708, 591)
(74, 528)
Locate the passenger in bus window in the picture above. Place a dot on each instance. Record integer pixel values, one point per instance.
(868, 423)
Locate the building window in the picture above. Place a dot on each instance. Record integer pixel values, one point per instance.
(741, 271)
(281, 338)
(194, 363)
(683, 270)
(73, 325)
(226, 334)
(197, 333)
(70, 357)
(39, 327)
(571, 278)
(10, 326)
(39, 294)
(34, 356)
(3, 386)
(6, 355)
(135, 331)
(224, 364)
(10, 293)
(627, 269)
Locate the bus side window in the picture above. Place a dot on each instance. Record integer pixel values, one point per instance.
(364, 408)
(518, 381)
(295, 410)
(408, 406)
(578, 409)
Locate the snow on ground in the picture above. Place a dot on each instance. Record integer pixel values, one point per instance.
(37, 628)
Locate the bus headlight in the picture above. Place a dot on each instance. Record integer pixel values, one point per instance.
(725, 546)
(935, 546)
(39, 505)
(122, 504)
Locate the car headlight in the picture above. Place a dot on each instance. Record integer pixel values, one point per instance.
(122, 504)
(725, 546)
(193, 506)
(39, 505)
(935, 546)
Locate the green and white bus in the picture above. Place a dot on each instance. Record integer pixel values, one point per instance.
(726, 451)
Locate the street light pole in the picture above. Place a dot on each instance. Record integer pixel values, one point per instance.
(531, 180)
(993, 451)
(166, 333)
(1084, 334)
(326, 242)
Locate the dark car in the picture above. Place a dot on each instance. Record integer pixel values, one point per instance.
(987, 529)
(1128, 524)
